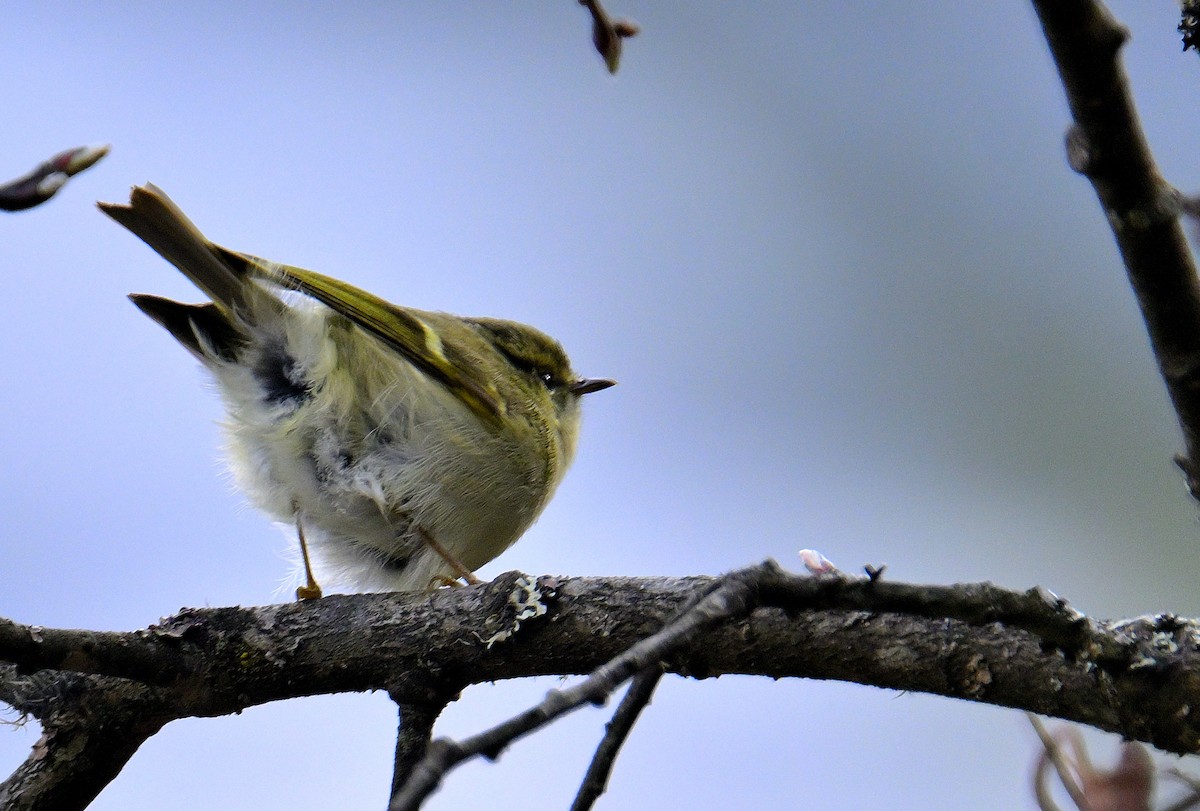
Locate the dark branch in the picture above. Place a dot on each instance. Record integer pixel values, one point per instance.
(731, 596)
(186, 645)
(736, 595)
(607, 33)
(44, 180)
(415, 731)
(140, 656)
(91, 727)
(595, 782)
(1189, 23)
(975, 642)
(1106, 144)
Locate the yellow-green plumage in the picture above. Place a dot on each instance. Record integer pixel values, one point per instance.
(379, 429)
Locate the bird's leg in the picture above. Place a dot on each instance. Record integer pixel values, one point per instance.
(310, 590)
(459, 569)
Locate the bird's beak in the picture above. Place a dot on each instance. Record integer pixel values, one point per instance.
(587, 385)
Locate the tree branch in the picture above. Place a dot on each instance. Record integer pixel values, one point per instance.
(1106, 144)
(186, 645)
(415, 731)
(1135, 677)
(595, 782)
(607, 33)
(45, 179)
(91, 727)
(732, 596)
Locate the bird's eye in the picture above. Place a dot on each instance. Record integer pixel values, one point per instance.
(547, 378)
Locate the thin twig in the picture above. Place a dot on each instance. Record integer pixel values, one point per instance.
(616, 732)
(1192, 798)
(1053, 754)
(40, 184)
(607, 33)
(733, 596)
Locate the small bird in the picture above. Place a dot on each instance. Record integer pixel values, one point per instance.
(408, 447)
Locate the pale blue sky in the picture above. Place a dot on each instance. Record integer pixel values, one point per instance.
(854, 298)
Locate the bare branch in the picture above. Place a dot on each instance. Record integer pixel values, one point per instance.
(731, 596)
(739, 593)
(140, 656)
(1189, 23)
(416, 719)
(595, 782)
(91, 727)
(1189, 800)
(1106, 144)
(1135, 677)
(1052, 755)
(607, 33)
(44, 180)
(1128, 786)
(159, 654)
